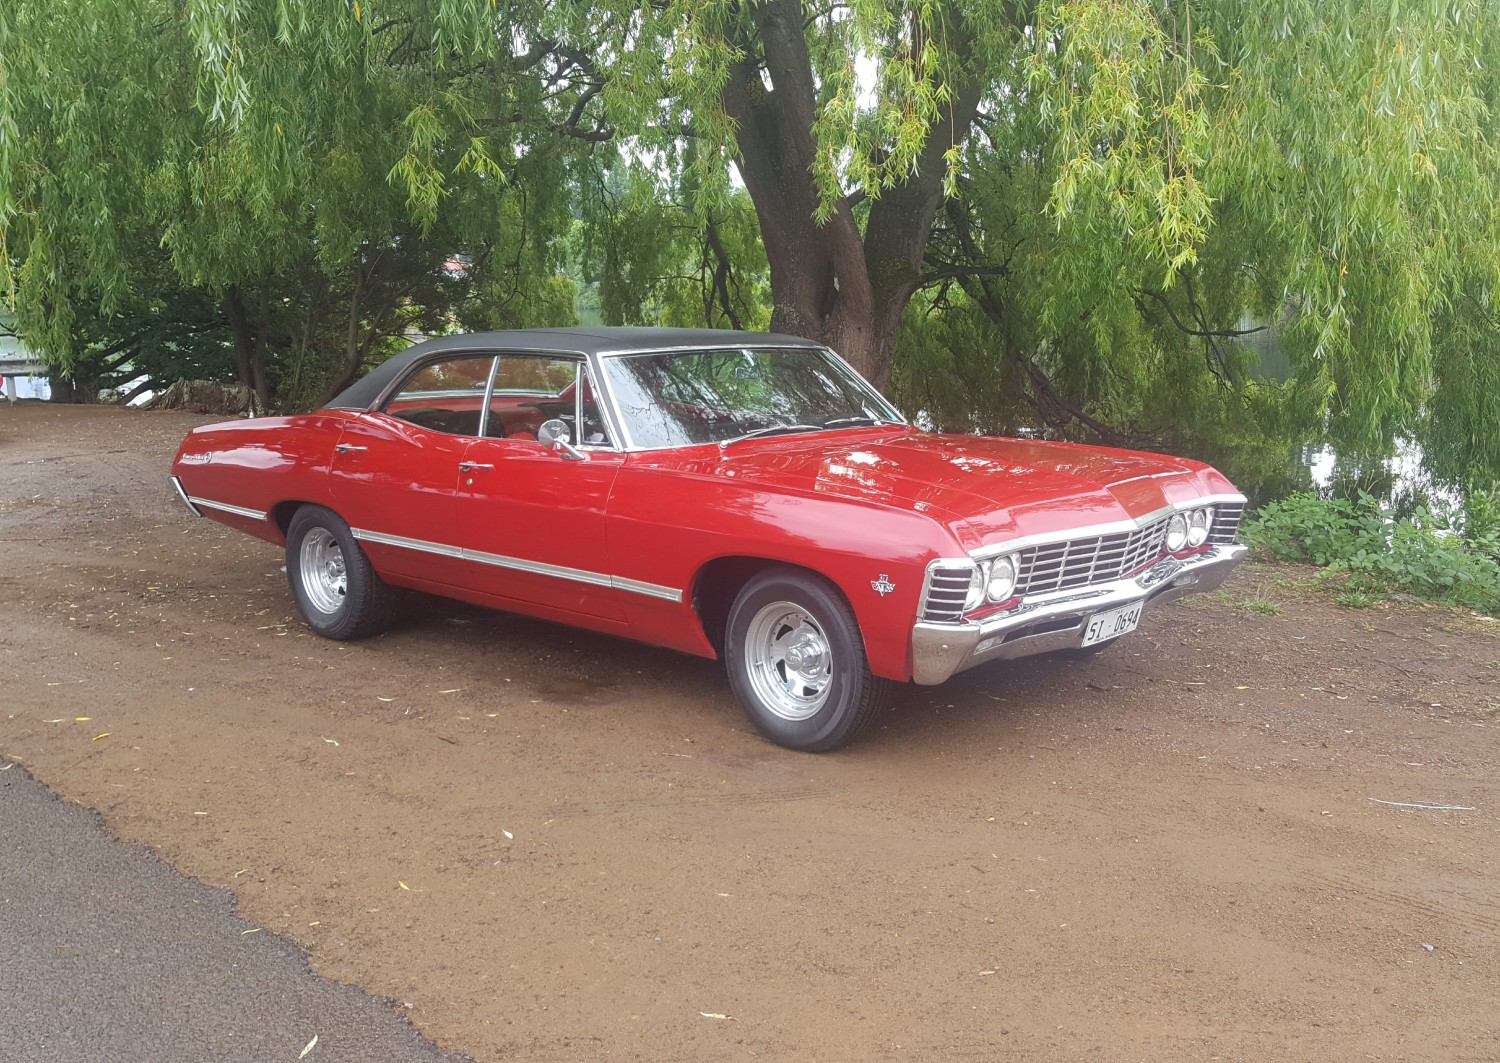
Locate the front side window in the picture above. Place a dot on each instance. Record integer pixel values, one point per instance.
(680, 398)
(530, 389)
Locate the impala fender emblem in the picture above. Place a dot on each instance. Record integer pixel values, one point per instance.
(883, 585)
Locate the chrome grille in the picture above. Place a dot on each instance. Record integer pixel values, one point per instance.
(1226, 522)
(1073, 563)
(946, 590)
(1096, 559)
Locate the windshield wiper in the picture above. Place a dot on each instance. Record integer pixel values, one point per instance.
(772, 430)
(860, 420)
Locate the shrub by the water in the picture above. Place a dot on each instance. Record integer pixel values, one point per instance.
(1439, 555)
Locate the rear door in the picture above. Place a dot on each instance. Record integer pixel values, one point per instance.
(396, 471)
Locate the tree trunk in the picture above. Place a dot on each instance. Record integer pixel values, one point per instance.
(60, 388)
(249, 347)
(830, 282)
(354, 355)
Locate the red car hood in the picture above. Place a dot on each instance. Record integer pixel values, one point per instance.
(987, 490)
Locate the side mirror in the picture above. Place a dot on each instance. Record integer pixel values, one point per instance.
(555, 435)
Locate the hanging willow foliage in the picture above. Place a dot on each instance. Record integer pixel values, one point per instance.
(1106, 196)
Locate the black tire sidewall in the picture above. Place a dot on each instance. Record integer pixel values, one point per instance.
(839, 717)
(346, 622)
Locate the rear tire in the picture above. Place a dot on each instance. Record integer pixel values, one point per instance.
(338, 591)
(797, 664)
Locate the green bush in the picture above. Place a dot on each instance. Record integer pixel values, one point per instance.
(1441, 556)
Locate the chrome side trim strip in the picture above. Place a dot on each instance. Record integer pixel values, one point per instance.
(1112, 528)
(537, 568)
(182, 494)
(225, 507)
(420, 545)
(650, 590)
(518, 564)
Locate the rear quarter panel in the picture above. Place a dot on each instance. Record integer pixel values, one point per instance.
(258, 464)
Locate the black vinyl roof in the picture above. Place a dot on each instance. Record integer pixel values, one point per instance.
(362, 394)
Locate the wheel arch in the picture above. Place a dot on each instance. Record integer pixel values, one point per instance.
(720, 580)
(281, 513)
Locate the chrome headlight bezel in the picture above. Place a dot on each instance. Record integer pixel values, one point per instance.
(1000, 583)
(1200, 523)
(1177, 532)
(974, 596)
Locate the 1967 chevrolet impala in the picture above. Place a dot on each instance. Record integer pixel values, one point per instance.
(737, 495)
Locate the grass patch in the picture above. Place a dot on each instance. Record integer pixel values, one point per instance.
(1270, 586)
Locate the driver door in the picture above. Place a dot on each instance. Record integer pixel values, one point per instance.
(532, 519)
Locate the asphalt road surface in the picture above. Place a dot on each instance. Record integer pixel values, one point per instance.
(108, 955)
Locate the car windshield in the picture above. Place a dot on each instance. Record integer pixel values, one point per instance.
(679, 398)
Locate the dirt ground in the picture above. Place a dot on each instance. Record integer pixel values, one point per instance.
(551, 845)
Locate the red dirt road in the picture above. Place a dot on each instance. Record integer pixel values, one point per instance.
(556, 846)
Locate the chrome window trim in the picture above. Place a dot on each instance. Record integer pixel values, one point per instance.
(225, 507)
(620, 440)
(518, 564)
(628, 444)
(611, 417)
(985, 553)
(489, 392)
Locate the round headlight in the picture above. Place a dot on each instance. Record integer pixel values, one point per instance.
(1177, 533)
(1199, 521)
(1002, 581)
(975, 594)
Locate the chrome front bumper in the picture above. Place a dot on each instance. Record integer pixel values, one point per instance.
(1056, 621)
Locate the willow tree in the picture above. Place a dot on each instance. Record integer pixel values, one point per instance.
(1116, 184)
(325, 211)
(1110, 185)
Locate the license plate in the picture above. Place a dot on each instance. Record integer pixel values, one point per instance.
(1116, 622)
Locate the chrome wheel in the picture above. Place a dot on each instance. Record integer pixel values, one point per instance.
(789, 661)
(325, 578)
(797, 663)
(338, 591)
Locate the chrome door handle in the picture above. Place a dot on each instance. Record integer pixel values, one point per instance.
(470, 466)
(347, 448)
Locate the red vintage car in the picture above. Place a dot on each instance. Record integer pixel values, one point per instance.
(743, 496)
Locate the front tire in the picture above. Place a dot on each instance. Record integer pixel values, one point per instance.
(338, 591)
(797, 663)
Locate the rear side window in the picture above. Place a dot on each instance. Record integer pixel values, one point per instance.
(446, 396)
